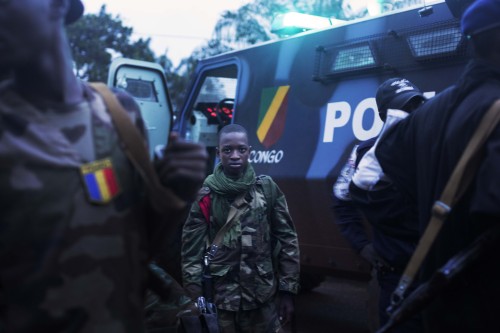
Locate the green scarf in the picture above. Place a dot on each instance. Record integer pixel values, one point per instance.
(226, 189)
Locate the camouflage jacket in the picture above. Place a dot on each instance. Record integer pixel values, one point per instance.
(69, 264)
(242, 270)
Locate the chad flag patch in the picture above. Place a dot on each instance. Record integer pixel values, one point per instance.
(100, 181)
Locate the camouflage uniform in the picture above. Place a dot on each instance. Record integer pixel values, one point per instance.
(67, 264)
(242, 270)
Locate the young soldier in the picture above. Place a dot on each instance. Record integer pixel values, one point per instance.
(245, 279)
(76, 229)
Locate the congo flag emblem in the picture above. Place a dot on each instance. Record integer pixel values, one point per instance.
(272, 115)
(100, 181)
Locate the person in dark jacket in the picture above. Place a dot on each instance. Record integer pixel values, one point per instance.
(393, 221)
(419, 154)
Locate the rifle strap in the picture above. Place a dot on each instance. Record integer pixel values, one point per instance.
(233, 215)
(459, 181)
(161, 198)
(269, 193)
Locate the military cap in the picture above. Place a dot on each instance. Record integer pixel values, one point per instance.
(481, 16)
(394, 93)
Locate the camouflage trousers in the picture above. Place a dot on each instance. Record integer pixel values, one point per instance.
(261, 320)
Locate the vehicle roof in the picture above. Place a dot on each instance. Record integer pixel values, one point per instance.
(438, 3)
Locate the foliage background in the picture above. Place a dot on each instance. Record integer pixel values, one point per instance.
(97, 38)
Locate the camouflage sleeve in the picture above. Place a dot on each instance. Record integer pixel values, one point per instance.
(283, 230)
(194, 235)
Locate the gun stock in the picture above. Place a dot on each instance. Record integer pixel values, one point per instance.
(458, 267)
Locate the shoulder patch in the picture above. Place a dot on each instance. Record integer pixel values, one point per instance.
(100, 181)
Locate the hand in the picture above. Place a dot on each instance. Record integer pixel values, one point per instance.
(370, 255)
(183, 167)
(286, 307)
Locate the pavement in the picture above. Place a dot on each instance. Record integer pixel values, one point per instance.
(336, 305)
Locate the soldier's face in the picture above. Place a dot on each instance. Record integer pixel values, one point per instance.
(234, 152)
(25, 30)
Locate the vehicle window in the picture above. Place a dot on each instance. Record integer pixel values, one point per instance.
(142, 90)
(213, 105)
(213, 108)
(216, 99)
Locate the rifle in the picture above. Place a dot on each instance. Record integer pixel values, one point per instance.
(207, 283)
(459, 181)
(206, 320)
(459, 267)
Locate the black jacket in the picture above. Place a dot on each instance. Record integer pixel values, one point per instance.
(393, 220)
(419, 155)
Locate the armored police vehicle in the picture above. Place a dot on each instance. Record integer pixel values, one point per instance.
(306, 100)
